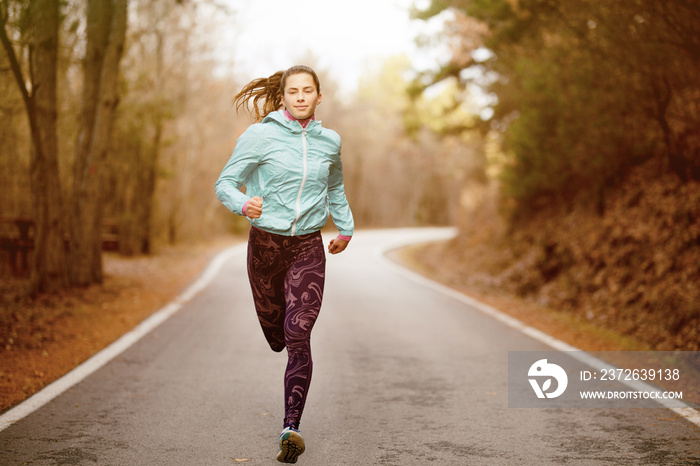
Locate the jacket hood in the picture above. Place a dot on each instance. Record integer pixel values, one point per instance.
(278, 117)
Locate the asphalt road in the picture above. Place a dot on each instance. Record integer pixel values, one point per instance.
(403, 375)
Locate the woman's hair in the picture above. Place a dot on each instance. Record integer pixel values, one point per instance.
(268, 92)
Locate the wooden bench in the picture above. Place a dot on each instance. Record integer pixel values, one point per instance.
(110, 235)
(17, 239)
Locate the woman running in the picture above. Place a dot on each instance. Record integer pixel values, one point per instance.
(291, 168)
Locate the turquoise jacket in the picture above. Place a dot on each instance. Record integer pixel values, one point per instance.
(295, 170)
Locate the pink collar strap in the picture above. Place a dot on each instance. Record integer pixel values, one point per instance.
(303, 123)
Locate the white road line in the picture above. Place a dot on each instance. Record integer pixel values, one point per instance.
(127, 340)
(81, 372)
(438, 234)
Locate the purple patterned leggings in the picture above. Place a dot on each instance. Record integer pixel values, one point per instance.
(287, 275)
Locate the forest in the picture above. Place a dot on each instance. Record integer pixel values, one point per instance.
(595, 181)
(138, 124)
(562, 138)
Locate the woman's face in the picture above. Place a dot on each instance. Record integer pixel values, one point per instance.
(301, 96)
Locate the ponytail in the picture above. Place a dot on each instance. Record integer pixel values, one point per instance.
(266, 89)
(267, 92)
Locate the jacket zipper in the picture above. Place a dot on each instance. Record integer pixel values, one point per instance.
(303, 182)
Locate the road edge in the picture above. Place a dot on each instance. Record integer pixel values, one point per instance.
(443, 234)
(98, 360)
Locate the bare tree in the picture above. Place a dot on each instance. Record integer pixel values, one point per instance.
(106, 30)
(39, 95)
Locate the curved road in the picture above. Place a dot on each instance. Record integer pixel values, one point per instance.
(403, 375)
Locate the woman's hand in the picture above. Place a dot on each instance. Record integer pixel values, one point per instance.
(337, 245)
(253, 208)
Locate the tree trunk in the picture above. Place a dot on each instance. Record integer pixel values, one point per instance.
(49, 272)
(137, 222)
(106, 29)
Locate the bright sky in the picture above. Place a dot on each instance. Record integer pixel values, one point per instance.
(344, 35)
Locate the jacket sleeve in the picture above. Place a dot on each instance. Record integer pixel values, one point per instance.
(337, 202)
(243, 161)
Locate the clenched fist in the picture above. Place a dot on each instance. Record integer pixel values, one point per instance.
(253, 208)
(337, 245)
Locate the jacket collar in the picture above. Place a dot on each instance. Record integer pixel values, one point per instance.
(304, 123)
(278, 117)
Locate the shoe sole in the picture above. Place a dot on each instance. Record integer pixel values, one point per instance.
(291, 446)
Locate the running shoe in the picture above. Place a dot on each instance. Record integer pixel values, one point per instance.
(291, 445)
